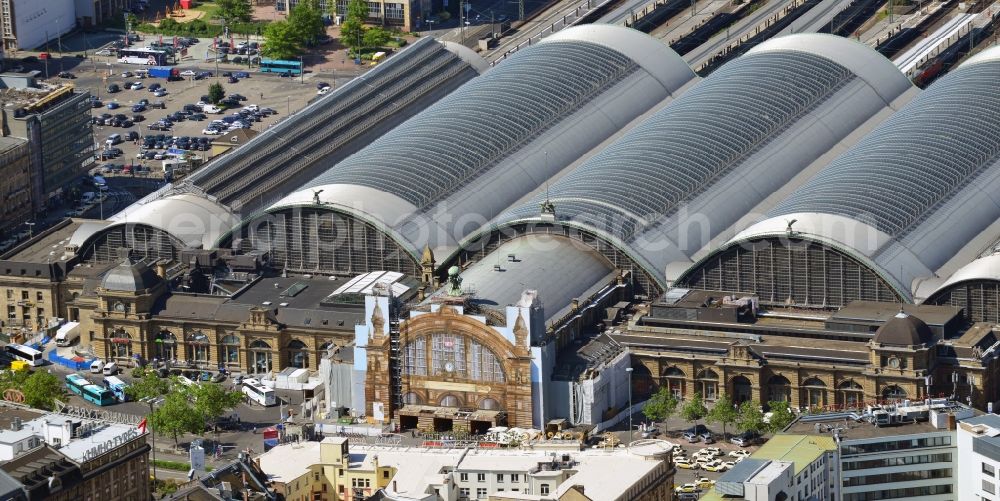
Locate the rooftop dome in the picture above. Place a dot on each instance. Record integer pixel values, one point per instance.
(129, 276)
(904, 330)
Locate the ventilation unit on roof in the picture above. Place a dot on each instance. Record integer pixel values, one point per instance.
(266, 303)
(282, 304)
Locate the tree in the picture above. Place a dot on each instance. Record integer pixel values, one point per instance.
(280, 41)
(147, 385)
(660, 406)
(176, 416)
(216, 93)
(306, 22)
(723, 412)
(40, 389)
(375, 37)
(352, 30)
(750, 417)
(232, 11)
(694, 409)
(781, 416)
(211, 401)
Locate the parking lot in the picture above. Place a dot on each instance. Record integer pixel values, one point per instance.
(141, 109)
(705, 466)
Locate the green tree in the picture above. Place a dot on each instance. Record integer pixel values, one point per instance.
(234, 10)
(146, 385)
(280, 41)
(177, 416)
(781, 416)
(750, 417)
(660, 406)
(41, 388)
(723, 412)
(352, 30)
(211, 401)
(306, 21)
(216, 92)
(694, 409)
(375, 37)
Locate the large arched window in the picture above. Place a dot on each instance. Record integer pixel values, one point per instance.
(893, 393)
(448, 355)
(485, 364)
(412, 398)
(121, 344)
(166, 345)
(260, 353)
(230, 350)
(198, 347)
(814, 392)
(742, 389)
(297, 354)
(850, 394)
(707, 384)
(415, 357)
(450, 401)
(675, 381)
(779, 389)
(489, 404)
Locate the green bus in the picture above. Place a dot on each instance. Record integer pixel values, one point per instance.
(98, 395)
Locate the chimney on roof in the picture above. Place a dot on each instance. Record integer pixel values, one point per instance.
(16, 424)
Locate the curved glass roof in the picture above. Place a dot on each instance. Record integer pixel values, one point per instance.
(914, 162)
(464, 134)
(682, 150)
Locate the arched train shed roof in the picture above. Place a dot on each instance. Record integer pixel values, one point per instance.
(723, 146)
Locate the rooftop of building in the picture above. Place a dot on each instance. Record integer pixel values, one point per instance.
(602, 473)
(9, 143)
(33, 422)
(853, 425)
(883, 312)
(802, 450)
(45, 247)
(35, 95)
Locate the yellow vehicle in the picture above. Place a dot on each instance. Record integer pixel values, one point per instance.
(20, 366)
(704, 483)
(686, 488)
(685, 464)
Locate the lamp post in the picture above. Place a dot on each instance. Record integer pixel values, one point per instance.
(31, 229)
(629, 371)
(152, 435)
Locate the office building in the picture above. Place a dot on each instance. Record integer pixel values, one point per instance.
(15, 184)
(62, 457)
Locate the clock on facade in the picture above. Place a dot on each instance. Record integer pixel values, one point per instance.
(894, 362)
(120, 306)
(449, 367)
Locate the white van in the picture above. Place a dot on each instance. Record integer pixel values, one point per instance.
(96, 366)
(114, 139)
(210, 108)
(110, 369)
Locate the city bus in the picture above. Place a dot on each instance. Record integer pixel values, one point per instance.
(25, 353)
(98, 395)
(76, 383)
(280, 66)
(145, 55)
(117, 387)
(259, 393)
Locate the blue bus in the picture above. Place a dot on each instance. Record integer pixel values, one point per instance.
(280, 66)
(98, 395)
(117, 387)
(76, 383)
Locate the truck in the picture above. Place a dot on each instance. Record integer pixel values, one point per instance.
(67, 333)
(164, 72)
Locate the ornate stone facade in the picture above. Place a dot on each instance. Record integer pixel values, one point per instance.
(456, 370)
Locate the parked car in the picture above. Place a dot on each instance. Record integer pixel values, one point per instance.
(66, 74)
(113, 88)
(132, 135)
(685, 464)
(113, 105)
(160, 92)
(153, 87)
(135, 85)
(686, 488)
(691, 437)
(739, 453)
(708, 438)
(745, 439)
(138, 107)
(241, 74)
(233, 80)
(188, 73)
